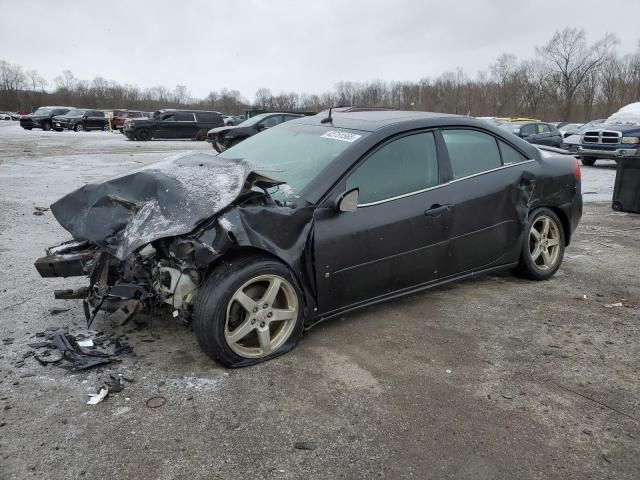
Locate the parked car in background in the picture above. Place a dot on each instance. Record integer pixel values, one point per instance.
(16, 116)
(124, 115)
(617, 137)
(5, 116)
(536, 132)
(226, 137)
(516, 119)
(284, 230)
(170, 123)
(80, 119)
(42, 117)
(566, 129)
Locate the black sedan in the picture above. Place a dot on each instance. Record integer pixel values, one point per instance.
(315, 218)
(538, 133)
(222, 138)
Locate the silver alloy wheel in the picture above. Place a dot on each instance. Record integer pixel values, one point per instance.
(544, 242)
(79, 127)
(261, 315)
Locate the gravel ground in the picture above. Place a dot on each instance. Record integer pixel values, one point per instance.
(491, 378)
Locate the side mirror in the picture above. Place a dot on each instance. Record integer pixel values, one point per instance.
(348, 201)
(260, 127)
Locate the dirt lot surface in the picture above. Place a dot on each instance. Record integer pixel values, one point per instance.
(491, 378)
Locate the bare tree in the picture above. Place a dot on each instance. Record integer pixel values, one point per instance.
(570, 60)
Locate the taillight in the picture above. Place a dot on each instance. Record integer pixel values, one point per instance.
(576, 170)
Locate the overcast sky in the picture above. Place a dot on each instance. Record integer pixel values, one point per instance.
(289, 45)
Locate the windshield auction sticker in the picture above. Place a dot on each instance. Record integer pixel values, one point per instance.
(342, 136)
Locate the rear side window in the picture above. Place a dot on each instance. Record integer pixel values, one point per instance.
(510, 155)
(207, 116)
(471, 152)
(184, 117)
(543, 128)
(405, 165)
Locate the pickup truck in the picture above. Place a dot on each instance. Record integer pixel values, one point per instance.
(618, 137)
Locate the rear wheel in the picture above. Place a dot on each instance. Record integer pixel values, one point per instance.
(143, 134)
(46, 126)
(543, 246)
(248, 311)
(588, 161)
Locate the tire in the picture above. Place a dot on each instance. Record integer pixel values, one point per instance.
(534, 263)
(27, 128)
(218, 315)
(143, 134)
(588, 161)
(201, 135)
(46, 126)
(79, 127)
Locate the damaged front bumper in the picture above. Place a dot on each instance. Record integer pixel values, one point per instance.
(69, 259)
(165, 274)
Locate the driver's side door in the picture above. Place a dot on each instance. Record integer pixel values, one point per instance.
(396, 238)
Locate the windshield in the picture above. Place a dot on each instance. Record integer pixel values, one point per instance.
(75, 113)
(294, 154)
(43, 111)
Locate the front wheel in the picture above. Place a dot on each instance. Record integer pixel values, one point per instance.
(143, 134)
(79, 127)
(46, 126)
(543, 246)
(588, 161)
(248, 311)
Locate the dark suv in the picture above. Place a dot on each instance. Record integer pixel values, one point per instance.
(42, 117)
(226, 137)
(192, 124)
(79, 120)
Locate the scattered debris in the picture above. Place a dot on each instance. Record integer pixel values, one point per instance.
(507, 396)
(114, 384)
(58, 310)
(39, 210)
(96, 398)
(155, 402)
(612, 305)
(605, 458)
(85, 349)
(448, 371)
(304, 446)
(8, 340)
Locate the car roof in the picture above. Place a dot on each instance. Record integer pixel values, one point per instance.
(368, 120)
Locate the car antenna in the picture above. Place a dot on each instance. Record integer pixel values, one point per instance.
(327, 119)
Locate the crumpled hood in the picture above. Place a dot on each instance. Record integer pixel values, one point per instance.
(161, 200)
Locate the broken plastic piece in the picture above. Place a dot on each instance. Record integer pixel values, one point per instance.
(96, 398)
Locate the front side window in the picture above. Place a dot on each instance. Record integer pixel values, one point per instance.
(168, 117)
(529, 129)
(542, 128)
(471, 152)
(272, 121)
(408, 164)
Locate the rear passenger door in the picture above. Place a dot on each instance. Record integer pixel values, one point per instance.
(186, 126)
(487, 193)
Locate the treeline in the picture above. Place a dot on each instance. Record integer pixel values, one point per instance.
(567, 79)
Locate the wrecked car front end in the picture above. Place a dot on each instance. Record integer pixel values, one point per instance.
(148, 239)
